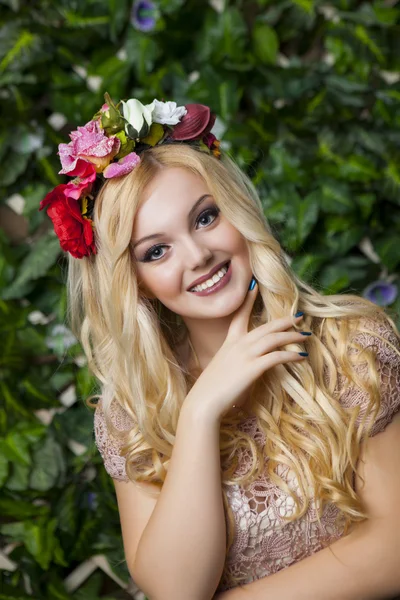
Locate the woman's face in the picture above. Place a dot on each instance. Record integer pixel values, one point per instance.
(195, 237)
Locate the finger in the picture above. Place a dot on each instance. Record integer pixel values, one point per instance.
(240, 320)
(274, 326)
(279, 357)
(274, 341)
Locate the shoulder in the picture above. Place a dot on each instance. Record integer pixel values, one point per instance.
(383, 345)
(109, 444)
(378, 335)
(118, 416)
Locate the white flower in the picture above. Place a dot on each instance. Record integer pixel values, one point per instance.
(138, 115)
(167, 113)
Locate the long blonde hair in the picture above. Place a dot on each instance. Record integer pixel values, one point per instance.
(131, 346)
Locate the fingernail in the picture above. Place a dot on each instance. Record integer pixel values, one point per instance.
(303, 353)
(252, 284)
(305, 332)
(299, 314)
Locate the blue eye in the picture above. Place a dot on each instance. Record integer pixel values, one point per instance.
(150, 252)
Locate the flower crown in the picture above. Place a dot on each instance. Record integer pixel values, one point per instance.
(109, 146)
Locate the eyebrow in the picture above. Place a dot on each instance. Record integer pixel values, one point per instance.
(157, 235)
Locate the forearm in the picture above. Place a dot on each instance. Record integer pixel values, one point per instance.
(181, 552)
(364, 566)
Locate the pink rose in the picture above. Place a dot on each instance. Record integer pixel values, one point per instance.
(90, 143)
(85, 174)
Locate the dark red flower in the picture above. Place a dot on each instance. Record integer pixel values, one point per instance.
(73, 230)
(209, 139)
(198, 122)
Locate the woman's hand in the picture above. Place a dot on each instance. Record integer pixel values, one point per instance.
(242, 359)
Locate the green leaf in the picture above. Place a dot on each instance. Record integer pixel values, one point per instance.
(142, 52)
(40, 540)
(343, 84)
(76, 423)
(19, 477)
(90, 590)
(307, 215)
(13, 530)
(3, 466)
(307, 266)
(387, 248)
(33, 193)
(358, 168)
(11, 401)
(67, 515)
(17, 448)
(74, 20)
(366, 203)
(22, 44)
(118, 11)
(334, 279)
(36, 264)
(12, 167)
(363, 35)
(85, 381)
(336, 198)
(170, 6)
(223, 96)
(20, 510)
(32, 341)
(48, 464)
(38, 537)
(265, 43)
(222, 37)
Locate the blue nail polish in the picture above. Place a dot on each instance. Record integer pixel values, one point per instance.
(299, 314)
(303, 353)
(252, 284)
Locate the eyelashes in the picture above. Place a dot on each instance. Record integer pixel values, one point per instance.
(214, 211)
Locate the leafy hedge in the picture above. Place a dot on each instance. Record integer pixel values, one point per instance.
(307, 97)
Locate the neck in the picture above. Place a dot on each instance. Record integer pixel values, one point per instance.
(205, 338)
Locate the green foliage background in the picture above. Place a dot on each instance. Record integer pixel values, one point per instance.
(307, 97)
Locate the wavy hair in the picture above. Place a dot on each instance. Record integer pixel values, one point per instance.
(131, 345)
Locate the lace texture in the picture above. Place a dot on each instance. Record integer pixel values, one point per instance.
(108, 446)
(264, 543)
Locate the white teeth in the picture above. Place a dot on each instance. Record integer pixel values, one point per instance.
(210, 282)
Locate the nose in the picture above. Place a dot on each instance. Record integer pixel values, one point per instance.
(197, 255)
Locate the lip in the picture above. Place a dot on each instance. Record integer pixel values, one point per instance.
(218, 286)
(208, 276)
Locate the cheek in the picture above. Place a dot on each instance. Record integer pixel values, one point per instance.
(164, 281)
(236, 242)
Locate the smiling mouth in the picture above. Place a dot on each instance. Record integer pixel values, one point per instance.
(225, 266)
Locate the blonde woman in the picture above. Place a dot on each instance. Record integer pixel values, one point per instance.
(252, 431)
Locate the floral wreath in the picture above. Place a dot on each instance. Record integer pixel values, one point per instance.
(109, 146)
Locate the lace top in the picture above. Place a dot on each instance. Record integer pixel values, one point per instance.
(264, 542)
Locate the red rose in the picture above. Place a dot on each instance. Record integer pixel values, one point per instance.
(73, 230)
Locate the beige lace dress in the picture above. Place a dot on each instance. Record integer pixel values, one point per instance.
(264, 542)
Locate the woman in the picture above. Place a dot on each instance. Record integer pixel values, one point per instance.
(233, 420)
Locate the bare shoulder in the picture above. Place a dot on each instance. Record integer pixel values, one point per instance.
(136, 503)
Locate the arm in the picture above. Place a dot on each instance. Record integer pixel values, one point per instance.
(366, 565)
(181, 552)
